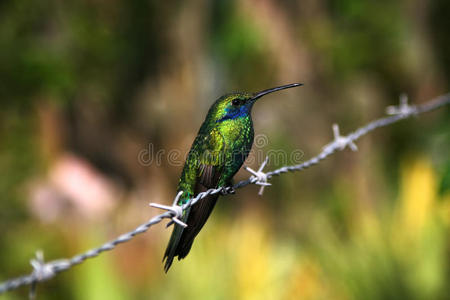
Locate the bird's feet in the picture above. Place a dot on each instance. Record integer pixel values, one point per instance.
(229, 190)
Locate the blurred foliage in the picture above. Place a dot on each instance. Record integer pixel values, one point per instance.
(86, 85)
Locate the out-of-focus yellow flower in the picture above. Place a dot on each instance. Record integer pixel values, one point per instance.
(418, 196)
(252, 259)
(305, 282)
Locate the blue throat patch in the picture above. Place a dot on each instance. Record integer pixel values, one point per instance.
(232, 114)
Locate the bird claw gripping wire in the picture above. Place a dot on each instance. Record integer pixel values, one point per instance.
(229, 190)
(403, 108)
(340, 142)
(176, 210)
(259, 177)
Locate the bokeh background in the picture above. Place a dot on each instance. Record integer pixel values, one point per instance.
(87, 85)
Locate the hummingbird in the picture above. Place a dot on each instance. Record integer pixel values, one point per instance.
(222, 144)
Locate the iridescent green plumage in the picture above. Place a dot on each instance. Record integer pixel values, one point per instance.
(219, 150)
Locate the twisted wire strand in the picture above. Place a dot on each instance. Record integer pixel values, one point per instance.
(45, 271)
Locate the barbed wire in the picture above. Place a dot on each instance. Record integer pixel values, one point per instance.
(43, 271)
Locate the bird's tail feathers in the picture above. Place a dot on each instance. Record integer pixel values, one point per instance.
(171, 250)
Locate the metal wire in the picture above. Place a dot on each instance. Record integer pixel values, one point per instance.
(44, 271)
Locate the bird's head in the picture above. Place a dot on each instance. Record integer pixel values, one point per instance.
(238, 105)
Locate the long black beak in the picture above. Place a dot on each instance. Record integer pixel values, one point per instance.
(278, 88)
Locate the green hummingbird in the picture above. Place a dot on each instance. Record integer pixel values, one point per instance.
(219, 150)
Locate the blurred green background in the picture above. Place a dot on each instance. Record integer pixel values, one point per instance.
(87, 85)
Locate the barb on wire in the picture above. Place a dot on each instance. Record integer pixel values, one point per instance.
(175, 210)
(41, 271)
(259, 177)
(45, 271)
(340, 142)
(403, 108)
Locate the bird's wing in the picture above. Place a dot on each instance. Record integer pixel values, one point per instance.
(212, 159)
(210, 149)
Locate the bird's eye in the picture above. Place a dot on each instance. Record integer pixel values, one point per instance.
(236, 102)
